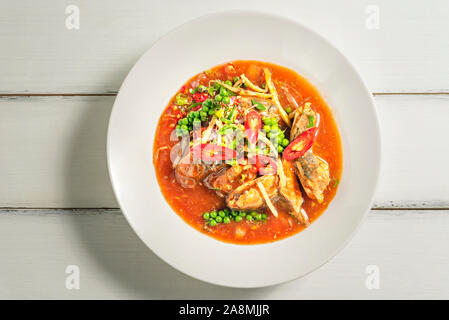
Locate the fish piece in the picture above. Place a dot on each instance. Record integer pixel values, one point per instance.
(189, 172)
(228, 178)
(248, 196)
(286, 194)
(301, 120)
(312, 171)
(271, 110)
(290, 194)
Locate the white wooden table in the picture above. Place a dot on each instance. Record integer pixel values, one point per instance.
(57, 88)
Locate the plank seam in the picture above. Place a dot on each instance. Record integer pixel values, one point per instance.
(113, 94)
(103, 209)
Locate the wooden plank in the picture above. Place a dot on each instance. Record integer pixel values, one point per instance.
(54, 152)
(36, 246)
(407, 53)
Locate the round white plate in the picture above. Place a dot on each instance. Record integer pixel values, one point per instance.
(197, 46)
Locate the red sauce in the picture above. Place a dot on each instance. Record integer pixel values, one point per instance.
(190, 204)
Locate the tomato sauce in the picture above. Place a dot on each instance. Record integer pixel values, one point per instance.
(190, 204)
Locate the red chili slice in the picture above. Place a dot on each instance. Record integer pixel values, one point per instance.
(213, 152)
(253, 124)
(265, 165)
(300, 145)
(200, 97)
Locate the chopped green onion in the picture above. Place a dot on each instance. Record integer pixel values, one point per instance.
(231, 115)
(336, 183)
(258, 105)
(182, 99)
(195, 90)
(193, 105)
(311, 120)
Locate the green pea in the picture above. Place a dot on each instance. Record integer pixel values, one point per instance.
(236, 79)
(266, 120)
(205, 109)
(222, 213)
(228, 82)
(203, 114)
(267, 128)
(206, 215)
(213, 214)
(288, 109)
(226, 99)
(273, 121)
(280, 149)
(211, 112)
(208, 103)
(184, 127)
(275, 126)
(226, 220)
(212, 222)
(264, 216)
(249, 218)
(218, 97)
(258, 217)
(238, 218)
(219, 219)
(224, 92)
(234, 213)
(269, 134)
(254, 213)
(242, 213)
(285, 142)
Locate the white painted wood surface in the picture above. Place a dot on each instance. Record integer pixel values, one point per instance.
(56, 154)
(408, 53)
(410, 249)
(53, 149)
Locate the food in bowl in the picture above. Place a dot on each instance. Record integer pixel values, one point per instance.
(248, 152)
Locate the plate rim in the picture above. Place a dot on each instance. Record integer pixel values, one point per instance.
(377, 132)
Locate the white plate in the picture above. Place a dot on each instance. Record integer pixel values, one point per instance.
(197, 46)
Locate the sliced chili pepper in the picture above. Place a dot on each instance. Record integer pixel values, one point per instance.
(253, 124)
(212, 152)
(200, 97)
(265, 165)
(300, 145)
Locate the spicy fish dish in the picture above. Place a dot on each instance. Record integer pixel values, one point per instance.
(248, 152)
